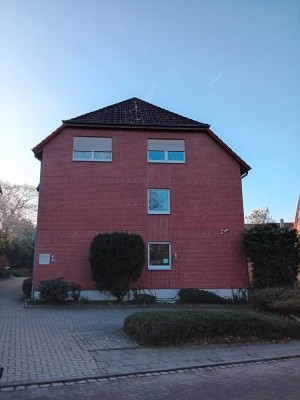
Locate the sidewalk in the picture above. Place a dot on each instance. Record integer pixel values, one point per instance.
(60, 343)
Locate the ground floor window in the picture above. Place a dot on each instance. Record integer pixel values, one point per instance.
(159, 255)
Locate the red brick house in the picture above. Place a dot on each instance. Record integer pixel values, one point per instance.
(297, 217)
(136, 167)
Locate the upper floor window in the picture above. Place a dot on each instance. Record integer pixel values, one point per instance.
(92, 149)
(158, 201)
(166, 151)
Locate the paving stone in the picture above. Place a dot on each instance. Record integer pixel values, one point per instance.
(53, 343)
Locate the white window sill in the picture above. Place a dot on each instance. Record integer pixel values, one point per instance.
(166, 162)
(84, 160)
(159, 267)
(159, 213)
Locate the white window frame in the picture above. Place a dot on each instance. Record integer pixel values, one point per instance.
(159, 212)
(44, 259)
(93, 159)
(160, 267)
(166, 159)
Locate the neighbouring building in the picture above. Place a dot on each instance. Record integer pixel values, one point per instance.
(297, 217)
(136, 167)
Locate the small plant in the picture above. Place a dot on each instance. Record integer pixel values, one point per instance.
(142, 298)
(197, 296)
(27, 287)
(75, 290)
(57, 290)
(84, 300)
(239, 296)
(54, 290)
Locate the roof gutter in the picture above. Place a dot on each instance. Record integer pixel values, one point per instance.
(140, 126)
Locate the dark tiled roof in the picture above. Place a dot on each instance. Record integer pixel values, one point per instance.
(135, 112)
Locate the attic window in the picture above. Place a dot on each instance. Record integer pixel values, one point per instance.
(166, 151)
(92, 149)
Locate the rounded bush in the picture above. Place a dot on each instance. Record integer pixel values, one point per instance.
(144, 298)
(197, 296)
(117, 260)
(27, 287)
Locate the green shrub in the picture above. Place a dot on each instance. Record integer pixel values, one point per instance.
(175, 327)
(53, 290)
(287, 307)
(57, 290)
(274, 254)
(197, 296)
(75, 290)
(27, 287)
(283, 300)
(143, 298)
(4, 273)
(117, 260)
(262, 298)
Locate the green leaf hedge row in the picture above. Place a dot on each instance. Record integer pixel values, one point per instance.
(158, 328)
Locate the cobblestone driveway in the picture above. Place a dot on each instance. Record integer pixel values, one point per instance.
(58, 343)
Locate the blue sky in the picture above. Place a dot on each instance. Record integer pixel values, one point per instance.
(233, 64)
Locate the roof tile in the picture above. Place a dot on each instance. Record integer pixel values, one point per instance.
(135, 112)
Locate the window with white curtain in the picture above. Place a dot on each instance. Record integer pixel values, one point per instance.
(92, 149)
(166, 151)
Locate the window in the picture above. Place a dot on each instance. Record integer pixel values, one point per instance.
(158, 201)
(159, 255)
(92, 149)
(44, 259)
(166, 151)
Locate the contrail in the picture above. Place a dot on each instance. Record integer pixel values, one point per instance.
(215, 80)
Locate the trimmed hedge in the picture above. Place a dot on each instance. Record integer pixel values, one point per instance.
(274, 253)
(197, 296)
(282, 300)
(175, 327)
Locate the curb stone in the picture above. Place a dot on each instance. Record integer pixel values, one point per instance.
(113, 378)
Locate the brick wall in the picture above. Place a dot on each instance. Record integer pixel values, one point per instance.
(80, 199)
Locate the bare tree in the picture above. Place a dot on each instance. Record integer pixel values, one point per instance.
(260, 216)
(18, 207)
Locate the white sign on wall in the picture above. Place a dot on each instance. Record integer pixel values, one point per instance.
(44, 259)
